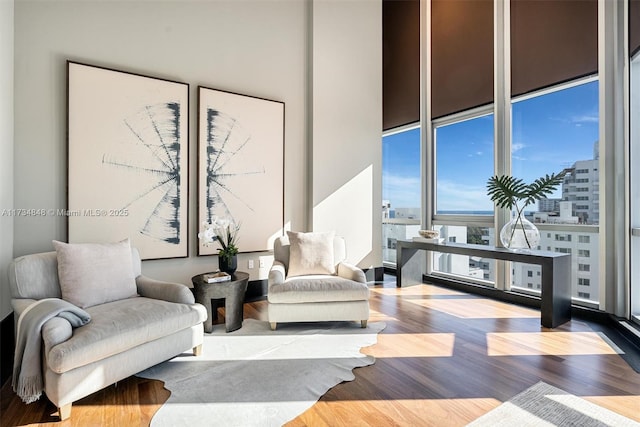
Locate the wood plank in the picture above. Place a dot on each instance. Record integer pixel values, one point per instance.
(433, 367)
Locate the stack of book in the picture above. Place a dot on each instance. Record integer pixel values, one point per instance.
(218, 276)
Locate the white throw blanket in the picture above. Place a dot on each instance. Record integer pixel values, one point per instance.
(27, 379)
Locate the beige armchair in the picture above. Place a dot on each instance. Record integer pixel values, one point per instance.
(310, 281)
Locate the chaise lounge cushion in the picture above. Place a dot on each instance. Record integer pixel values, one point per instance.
(317, 288)
(119, 326)
(95, 273)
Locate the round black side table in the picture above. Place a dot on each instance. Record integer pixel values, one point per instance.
(232, 291)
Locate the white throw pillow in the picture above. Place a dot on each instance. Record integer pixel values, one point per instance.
(311, 253)
(95, 273)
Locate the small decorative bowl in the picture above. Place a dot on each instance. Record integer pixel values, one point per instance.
(429, 234)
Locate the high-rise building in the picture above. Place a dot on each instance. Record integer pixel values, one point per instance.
(579, 205)
(549, 205)
(581, 186)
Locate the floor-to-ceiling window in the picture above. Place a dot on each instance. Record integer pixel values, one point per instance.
(401, 188)
(527, 61)
(556, 130)
(545, 120)
(553, 130)
(461, 144)
(464, 160)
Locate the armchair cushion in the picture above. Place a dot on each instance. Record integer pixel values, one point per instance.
(317, 288)
(95, 273)
(311, 253)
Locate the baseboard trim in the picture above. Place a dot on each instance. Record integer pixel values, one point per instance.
(623, 335)
(6, 350)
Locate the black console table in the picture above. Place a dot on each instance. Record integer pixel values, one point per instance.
(555, 306)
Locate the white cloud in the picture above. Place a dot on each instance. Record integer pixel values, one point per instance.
(460, 197)
(517, 147)
(578, 120)
(586, 118)
(402, 191)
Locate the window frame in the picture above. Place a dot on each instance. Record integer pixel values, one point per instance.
(503, 274)
(391, 264)
(456, 219)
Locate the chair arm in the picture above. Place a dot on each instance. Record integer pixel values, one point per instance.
(167, 291)
(277, 274)
(351, 272)
(55, 331)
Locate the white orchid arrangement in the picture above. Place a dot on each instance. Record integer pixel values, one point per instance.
(225, 232)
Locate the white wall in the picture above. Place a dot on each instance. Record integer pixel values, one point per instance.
(250, 47)
(6, 150)
(347, 123)
(253, 47)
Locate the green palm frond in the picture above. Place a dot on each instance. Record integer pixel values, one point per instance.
(542, 187)
(506, 191)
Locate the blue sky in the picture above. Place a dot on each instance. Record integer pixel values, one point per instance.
(550, 133)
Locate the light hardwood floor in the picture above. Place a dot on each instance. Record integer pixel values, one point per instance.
(444, 359)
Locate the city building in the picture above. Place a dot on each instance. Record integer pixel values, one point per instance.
(582, 187)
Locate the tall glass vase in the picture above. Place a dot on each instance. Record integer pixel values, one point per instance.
(520, 233)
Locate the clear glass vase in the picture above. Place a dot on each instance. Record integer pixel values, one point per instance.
(520, 233)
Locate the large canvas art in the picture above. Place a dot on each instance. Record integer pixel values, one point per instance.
(128, 160)
(241, 166)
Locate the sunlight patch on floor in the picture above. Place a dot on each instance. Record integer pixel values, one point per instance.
(546, 343)
(629, 406)
(419, 290)
(477, 308)
(404, 412)
(377, 316)
(412, 345)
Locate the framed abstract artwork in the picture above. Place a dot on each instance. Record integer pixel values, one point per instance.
(128, 145)
(241, 166)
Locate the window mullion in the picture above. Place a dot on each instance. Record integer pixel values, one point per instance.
(614, 237)
(426, 126)
(502, 119)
